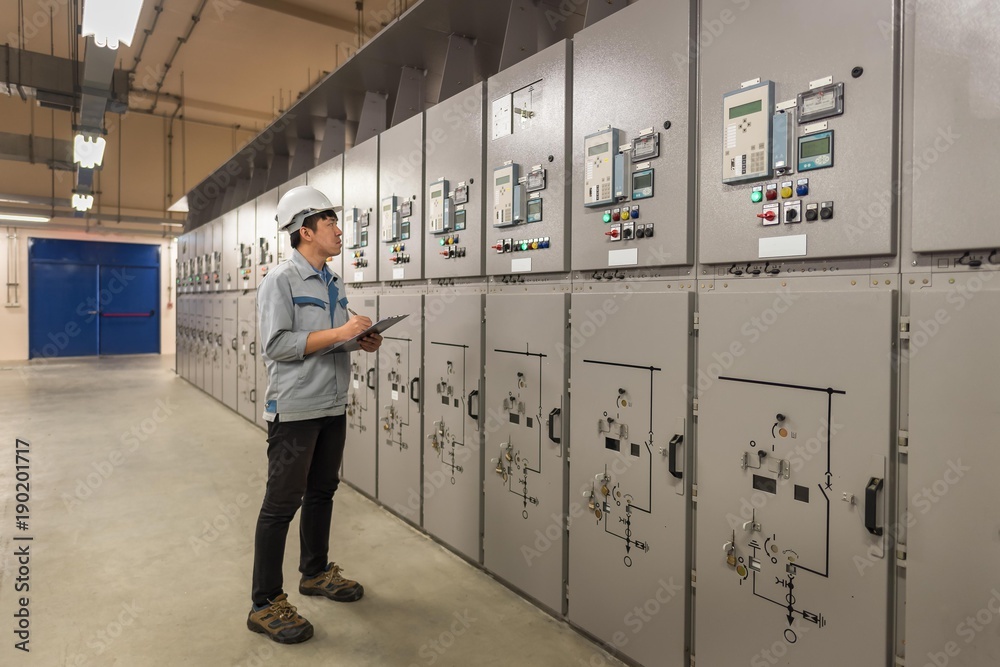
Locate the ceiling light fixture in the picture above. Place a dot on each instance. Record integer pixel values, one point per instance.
(83, 202)
(24, 218)
(88, 152)
(179, 206)
(111, 22)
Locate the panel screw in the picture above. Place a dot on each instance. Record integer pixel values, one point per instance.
(666, 125)
(857, 72)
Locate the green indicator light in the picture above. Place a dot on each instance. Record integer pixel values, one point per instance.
(440, 241)
(756, 196)
(524, 246)
(607, 216)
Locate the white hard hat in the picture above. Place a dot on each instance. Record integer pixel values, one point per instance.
(300, 203)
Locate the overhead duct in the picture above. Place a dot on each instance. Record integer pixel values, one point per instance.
(50, 80)
(56, 154)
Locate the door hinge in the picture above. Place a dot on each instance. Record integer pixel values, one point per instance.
(901, 555)
(694, 578)
(904, 328)
(696, 322)
(903, 442)
(694, 407)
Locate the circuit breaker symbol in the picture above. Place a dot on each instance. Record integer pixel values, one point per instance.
(357, 399)
(443, 440)
(785, 543)
(615, 497)
(397, 414)
(520, 456)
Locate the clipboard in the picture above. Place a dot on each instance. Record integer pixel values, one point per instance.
(354, 344)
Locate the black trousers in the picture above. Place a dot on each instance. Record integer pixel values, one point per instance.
(303, 469)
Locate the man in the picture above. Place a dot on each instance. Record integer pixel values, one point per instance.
(302, 312)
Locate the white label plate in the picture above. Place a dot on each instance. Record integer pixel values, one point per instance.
(395, 395)
(397, 274)
(522, 265)
(782, 246)
(624, 257)
(359, 276)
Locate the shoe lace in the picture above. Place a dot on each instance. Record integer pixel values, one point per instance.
(333, 575)
(284, 610)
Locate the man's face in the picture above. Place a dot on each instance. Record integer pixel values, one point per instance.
(327, 235)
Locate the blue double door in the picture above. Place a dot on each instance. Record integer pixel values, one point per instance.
(88, 298)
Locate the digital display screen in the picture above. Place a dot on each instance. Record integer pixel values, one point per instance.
(435, 194)
(744, 109)
(598, 149)
(503, 180)
(814, 148)
(535, 207)
(641, 181)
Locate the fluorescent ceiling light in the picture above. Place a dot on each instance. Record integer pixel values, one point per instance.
(24, 218)
(88, 153)
(14, 201)
(83, 202)
(111, 21)
(180, 206)
(172, 224)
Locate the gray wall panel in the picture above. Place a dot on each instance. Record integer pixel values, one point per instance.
(614, 87)
(835, 38)
(401, 175)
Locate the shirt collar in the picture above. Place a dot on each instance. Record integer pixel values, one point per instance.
(306, 269)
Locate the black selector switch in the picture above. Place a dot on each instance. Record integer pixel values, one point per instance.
(791, 215)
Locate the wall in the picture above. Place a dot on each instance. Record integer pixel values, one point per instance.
(14, 321)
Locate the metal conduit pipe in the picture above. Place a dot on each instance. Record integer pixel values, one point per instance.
(147, 33)
(195, 19)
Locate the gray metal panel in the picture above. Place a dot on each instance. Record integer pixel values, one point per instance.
(328, 178)
(199, 346)
(361, 193)
(183, 338)
(401, 175)
(230, 350)
(400, 396)
(956, 126)
(267, 249)
(800, 383)
(202, 241)
(748, 41)
(361, 449)
(453, 453)
(544, 83)
(246, 225)
(455, 153)
(626, 411)
(230, 251)
(246, 364)
(215, 256)
(526, 371)
(657, 89)
(217, 347)
(953, 589)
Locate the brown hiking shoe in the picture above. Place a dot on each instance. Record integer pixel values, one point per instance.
(332, 585)
(280, 622)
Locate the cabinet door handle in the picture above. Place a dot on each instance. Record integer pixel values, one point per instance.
(875, 485)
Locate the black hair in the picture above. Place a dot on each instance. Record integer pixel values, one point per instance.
(312, 222)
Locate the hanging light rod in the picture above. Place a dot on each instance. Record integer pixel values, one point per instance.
(11, 217)
(111, 22)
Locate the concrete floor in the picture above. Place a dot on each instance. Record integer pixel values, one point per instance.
(144, 496)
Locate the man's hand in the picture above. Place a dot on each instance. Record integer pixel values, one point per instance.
(356, 325)
(371, 342)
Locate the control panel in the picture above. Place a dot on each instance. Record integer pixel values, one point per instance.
(527, 158)
(389, 220)
(600, 185)
(401, 207)
(508, 196)
(746, 131)
(361, 211)
(457, 185)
